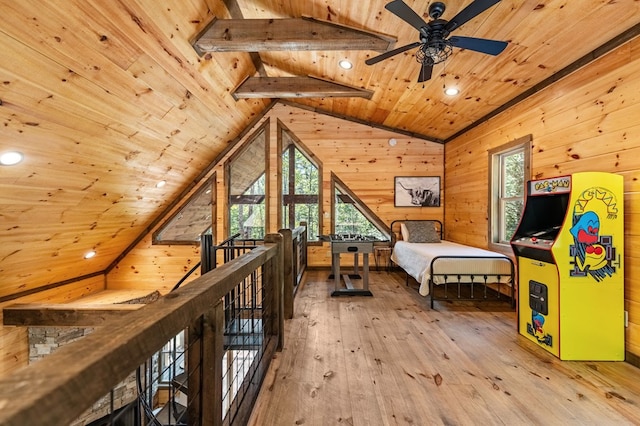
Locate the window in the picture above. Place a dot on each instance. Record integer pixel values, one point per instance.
(172, 358)
(301, 183)
(509, 167)
(351, 216)
(247, 188)
(191, 221)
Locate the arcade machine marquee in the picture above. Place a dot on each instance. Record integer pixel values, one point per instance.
(569, 249)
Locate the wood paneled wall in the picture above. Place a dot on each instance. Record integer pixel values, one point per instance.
(589, 121)
(154, 267)
(14, 345)
(358, 154)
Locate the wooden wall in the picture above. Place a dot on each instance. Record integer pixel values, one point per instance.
(14, 345)
(358, 154)
(154, 267)
(589, 121)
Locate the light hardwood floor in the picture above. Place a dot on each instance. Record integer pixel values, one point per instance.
(391, 360)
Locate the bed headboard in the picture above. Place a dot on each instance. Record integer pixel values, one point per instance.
(396, 233)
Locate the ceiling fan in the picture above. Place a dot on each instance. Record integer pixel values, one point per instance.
(434, 46)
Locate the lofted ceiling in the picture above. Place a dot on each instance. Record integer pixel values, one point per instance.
(106, 98)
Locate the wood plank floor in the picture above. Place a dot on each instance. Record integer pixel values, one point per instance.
(391, 360)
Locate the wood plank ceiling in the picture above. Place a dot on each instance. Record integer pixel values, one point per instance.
(106, 98)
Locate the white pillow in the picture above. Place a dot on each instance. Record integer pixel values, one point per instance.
(404, 232)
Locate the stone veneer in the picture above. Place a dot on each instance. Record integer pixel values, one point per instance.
(44, 341)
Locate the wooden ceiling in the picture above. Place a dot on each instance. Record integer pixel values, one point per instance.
(106, 98)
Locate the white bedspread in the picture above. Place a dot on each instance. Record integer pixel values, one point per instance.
(415, 259)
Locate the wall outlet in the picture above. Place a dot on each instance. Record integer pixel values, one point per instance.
(626, 318)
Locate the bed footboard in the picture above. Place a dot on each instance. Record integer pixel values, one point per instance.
(485, 282)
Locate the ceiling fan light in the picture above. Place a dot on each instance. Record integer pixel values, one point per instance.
(345, 64)
(434, 52)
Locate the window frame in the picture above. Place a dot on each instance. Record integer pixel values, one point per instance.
(262, 130)
(291, 147)
(336, 183)
(208, 187)
(496, 239)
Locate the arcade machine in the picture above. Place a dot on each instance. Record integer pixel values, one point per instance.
(569, 249)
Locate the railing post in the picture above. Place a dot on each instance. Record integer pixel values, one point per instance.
(213, 354)
(275, 276)
(287, 266)
(303, 253)
(205, 354)
(194, 370)
(206, 244)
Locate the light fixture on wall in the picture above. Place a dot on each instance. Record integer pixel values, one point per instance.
(11, 158)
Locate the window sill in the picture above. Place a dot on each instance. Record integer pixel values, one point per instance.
(501, 248)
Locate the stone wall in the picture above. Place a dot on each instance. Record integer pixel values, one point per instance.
(44, 341)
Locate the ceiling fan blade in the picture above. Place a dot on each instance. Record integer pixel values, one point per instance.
(469, 12)
(391, 53)
(404, 12)
(425, 72)
(490, 47)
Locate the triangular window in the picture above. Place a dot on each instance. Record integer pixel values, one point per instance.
(301, 185)
(247, 188)
(191, 221)
(352, 216)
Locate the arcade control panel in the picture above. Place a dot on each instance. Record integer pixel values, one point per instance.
(534, 242)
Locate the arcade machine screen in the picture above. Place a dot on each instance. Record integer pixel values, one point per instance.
(539, 226)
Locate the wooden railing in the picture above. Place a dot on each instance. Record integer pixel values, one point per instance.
(295, 263)
(57, 389)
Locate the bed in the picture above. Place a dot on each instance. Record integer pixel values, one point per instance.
(446, 270)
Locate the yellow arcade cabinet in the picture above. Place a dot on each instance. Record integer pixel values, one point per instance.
(569, 248)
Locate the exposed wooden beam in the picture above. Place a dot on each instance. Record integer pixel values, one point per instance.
(296, 87)
(63, 315)
(256, 35)
(236, 13)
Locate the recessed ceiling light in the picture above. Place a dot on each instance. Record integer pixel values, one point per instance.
(451, 91)
(346, 64)
(161, 184)
(89, 254)
(10, 158)
(392, 142)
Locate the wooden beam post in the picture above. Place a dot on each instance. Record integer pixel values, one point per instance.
(287, 272)
(275, 275)
(211, 371)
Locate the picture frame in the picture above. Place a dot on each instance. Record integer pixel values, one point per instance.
(417, 191)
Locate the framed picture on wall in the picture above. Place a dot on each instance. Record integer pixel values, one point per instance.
(411, 191)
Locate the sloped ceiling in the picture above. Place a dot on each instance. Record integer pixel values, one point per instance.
(106, 98)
